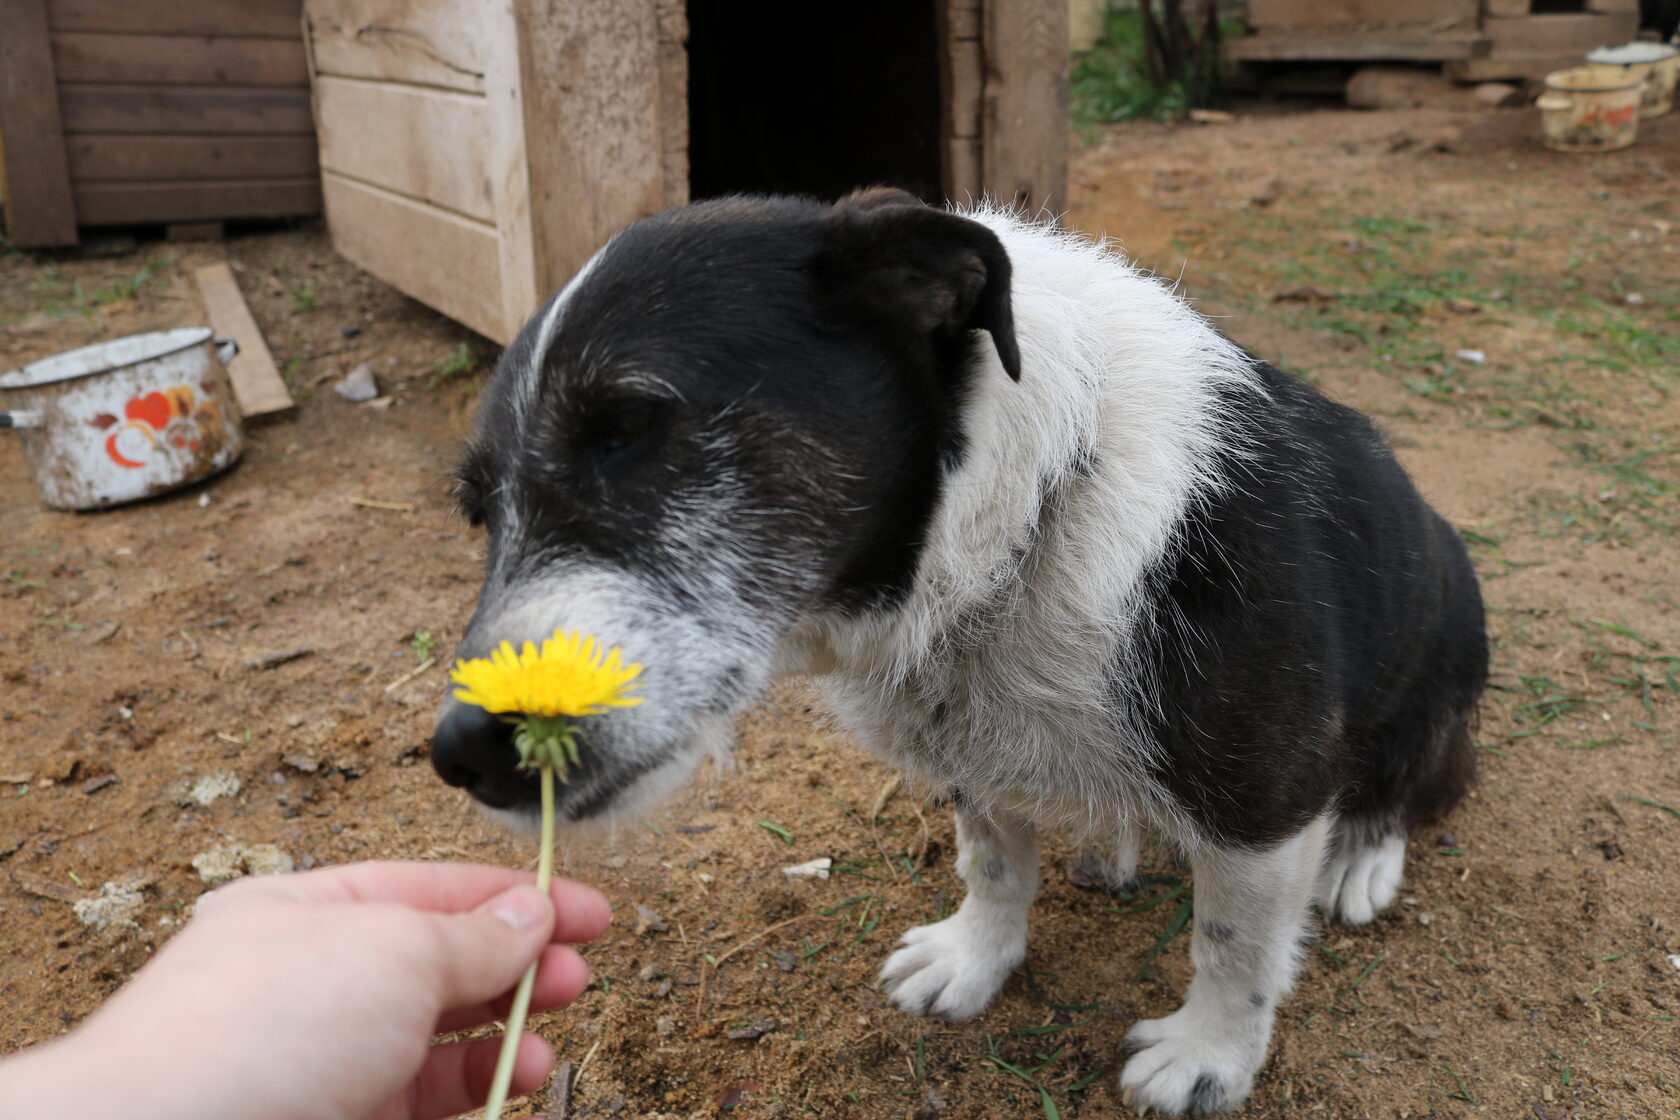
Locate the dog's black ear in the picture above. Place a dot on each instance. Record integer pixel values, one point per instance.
(918, 270)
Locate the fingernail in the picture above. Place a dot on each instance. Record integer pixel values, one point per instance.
(521, 908)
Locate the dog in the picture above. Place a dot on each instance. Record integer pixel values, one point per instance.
(1043, 538)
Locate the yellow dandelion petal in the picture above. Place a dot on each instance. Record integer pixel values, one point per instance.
(570, 675)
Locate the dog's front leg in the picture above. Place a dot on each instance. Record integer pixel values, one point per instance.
(953, 968)
(1251, 909)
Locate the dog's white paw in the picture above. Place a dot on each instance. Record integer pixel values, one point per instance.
(953, 968)
(1360, 884)
(1193, 1064)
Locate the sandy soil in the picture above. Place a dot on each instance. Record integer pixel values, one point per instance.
(1526, 971)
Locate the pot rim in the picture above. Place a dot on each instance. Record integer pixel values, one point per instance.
(87, 361)
(1618, 87)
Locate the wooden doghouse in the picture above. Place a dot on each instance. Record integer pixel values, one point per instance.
(123, 112)
(475, 154)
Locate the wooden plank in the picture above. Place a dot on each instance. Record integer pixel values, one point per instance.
(1317, 13)
(257, 384)
(1509, 66)
(1353, 45)
(272, 19)
(155, 109)
(1613, 6)
(443, 260)
(427, 42)
(429, 144)
(672, 20)
(34, 174)
(106, 158)
(1509, 7)
(1558, 33)
(1025, 117)
(962, 169)
(178, 60)
(588, 65)
(509, 170)
(964, 104)
(122, 204)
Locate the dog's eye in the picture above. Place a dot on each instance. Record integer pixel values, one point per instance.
(625, 426)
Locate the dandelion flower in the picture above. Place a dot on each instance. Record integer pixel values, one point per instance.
(541, 691)
(571, 675)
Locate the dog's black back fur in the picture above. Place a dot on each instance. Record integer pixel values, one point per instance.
(1318, 594)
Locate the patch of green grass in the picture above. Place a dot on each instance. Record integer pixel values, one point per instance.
(457, 363)
(424, 644)
(303, 297)
(1109, 82)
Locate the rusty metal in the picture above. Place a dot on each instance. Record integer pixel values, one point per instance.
(126, 419)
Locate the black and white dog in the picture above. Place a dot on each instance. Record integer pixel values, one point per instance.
(1042, 536)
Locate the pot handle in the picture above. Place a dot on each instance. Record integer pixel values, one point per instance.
(227, 349)
(23, 418)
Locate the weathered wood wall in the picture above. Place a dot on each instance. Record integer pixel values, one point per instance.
(185, 111)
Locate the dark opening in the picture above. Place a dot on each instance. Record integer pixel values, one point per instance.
(813, 98)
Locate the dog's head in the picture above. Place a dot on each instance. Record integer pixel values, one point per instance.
(736, 414)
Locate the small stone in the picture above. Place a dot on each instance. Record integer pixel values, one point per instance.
(1474, 357)
(222, 865)
(1425, 919)
(349, 330)
(116, 906)
(1447, 840)
(665, 1026)
(648, 973)
(214, 787)
(756, 1029)
(218, 866)
(649, 921)
(358, 385)
(815, 869)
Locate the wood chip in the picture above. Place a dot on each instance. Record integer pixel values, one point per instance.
(42, 887)
(94, 785)
(560, 1093)
(375, 503)
(270, 661)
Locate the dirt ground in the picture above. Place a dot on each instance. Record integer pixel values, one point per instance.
(1530, 968)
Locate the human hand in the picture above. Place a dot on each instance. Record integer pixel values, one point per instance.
(315, 996)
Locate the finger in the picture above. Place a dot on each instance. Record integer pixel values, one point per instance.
(561, 977)
(473, 958)
(451, 888)
(456, 1076)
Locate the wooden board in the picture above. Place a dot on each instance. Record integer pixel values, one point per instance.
(1355, 45)
(257, 384)
(1317, 13)
(588, 65)
(671, 18)
(1511, 66)
(1559, 33)
(426, 42)
(104, 158)
(34, 174)
(430, 144)
(178, 60)
(167, 109)
(439, 258)
(1508, 7)
(1025, 103)
(276, 19)
(143, 203)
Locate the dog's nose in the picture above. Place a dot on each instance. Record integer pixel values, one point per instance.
(473, 750)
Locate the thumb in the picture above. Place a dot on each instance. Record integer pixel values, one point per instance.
(483, 953)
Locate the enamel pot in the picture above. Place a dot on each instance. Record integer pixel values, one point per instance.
(127, 419)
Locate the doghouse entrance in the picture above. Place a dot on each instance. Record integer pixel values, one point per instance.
(812, 98)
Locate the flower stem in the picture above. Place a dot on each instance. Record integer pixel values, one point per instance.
(522, 996)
